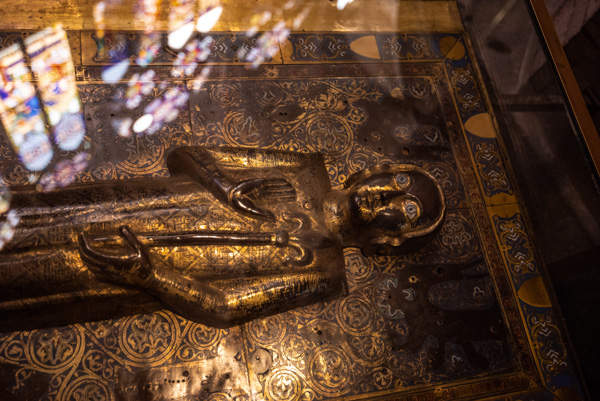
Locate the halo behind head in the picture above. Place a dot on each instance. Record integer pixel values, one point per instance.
(408, 212)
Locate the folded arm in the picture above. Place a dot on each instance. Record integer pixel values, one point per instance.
(226, 302)
(199, 164)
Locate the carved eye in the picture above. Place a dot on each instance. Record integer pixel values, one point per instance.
(402, 180)
(412, 210)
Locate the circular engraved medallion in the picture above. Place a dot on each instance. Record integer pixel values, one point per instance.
(88, 388)
(329, 134)
(269, 330)
(329, 370)
(244, 129)
(419, 88)
(150, 338)
(355, 315)
(145, 158)
(225, 94)
(283, 385)
(203, 336)
(56, 348)
(293, 347)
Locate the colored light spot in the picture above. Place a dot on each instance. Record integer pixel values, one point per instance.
(36, 151)
(143, 123)
(179, 37)
(208, 19)
(112, 74)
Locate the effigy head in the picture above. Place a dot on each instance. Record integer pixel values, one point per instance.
(394, 208)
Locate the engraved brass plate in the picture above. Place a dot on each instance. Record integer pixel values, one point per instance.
(446, 322)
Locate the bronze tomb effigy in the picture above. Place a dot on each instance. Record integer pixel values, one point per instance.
(262, 251)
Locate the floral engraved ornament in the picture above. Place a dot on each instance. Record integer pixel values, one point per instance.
(55, 347)
(149, 334)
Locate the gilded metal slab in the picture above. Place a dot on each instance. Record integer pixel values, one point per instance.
(379, 16)
(466, 317)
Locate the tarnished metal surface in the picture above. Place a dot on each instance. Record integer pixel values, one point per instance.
(257, 232)
(442, 322)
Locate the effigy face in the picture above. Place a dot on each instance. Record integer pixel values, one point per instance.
(396, 208)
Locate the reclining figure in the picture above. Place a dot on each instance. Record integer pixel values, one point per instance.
(232, 235)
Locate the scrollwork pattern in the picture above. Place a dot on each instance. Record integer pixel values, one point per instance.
(149, 338)
(88, 388)
(284, 385)
(552, 353)
(55, 349)
(330, 371)
(517, 248)
(354, 346)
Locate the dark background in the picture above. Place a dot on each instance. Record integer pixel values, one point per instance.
(557, 181)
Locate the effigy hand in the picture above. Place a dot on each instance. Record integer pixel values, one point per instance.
(244, 195)
(134, 268)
